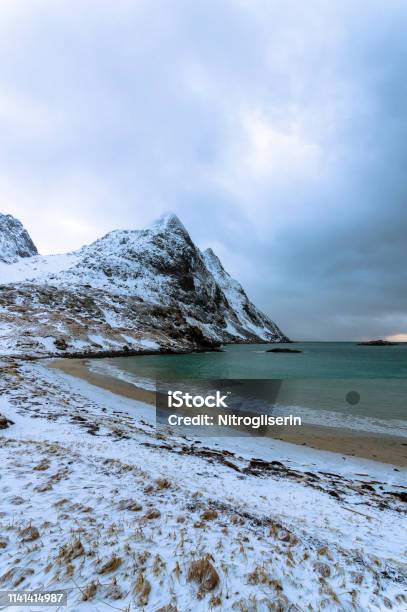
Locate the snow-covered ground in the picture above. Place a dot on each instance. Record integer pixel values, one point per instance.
(98, 501)
(37, 267)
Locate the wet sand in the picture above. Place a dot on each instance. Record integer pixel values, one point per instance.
(79, 368)
(384, 448)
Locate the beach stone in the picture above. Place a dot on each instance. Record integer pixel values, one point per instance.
(4, 422)
(61, 344)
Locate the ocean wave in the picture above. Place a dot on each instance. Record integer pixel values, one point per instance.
(331, 418)
(326, 418)
(108, 369)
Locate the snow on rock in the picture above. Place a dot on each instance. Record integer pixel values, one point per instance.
(131, 290)
(250, 319)
(15, 241)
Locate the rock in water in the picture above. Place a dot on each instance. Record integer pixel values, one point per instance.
(283, 350)
(15, 241)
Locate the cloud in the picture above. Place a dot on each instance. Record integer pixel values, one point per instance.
(277, 133)
(397, 338)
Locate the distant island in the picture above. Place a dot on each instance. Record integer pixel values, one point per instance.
(377, 343)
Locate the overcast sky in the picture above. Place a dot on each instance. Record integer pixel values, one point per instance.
(277, 131)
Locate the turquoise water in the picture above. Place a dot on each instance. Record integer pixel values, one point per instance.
(316, 382)
(318, 360)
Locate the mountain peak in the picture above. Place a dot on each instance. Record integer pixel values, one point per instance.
(15, 241)
(129, 287)
(168, 221)
(210, 255)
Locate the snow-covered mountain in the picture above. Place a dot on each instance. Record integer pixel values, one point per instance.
(131, 290)
(249, 317)
(15, 241)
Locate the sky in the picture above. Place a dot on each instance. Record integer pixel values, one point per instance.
(277, 132)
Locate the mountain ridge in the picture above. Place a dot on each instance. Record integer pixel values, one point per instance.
(128, 291)
(15, 241)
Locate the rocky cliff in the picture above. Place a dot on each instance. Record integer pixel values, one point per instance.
(15, 241)
(129, 291)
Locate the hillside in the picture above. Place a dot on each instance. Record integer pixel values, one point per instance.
(130, 291)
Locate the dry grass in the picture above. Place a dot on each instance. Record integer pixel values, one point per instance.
(61, 502)
(42, 466)
(111, 565)
(177, 570)
(129, 504)
(260, 576)
(167, 608)
(152, 514)
(43, 488)
(113, 591)
(89, 591)
(324, 552)
(25, 572)
(142, 588)
(8, 575)
(163, 483)
(159, 565)
(288, 537)
(69, 570)
(323, 569)
(204, 574)
(70, 551)
(209, 515)
(29, 534)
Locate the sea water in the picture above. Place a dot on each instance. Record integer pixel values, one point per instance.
(336, 384)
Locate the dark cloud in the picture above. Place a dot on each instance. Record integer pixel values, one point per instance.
(277, 133)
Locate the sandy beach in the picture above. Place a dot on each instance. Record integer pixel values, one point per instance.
(383, 448)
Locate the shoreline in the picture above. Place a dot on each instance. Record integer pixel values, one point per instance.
(384, 448)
